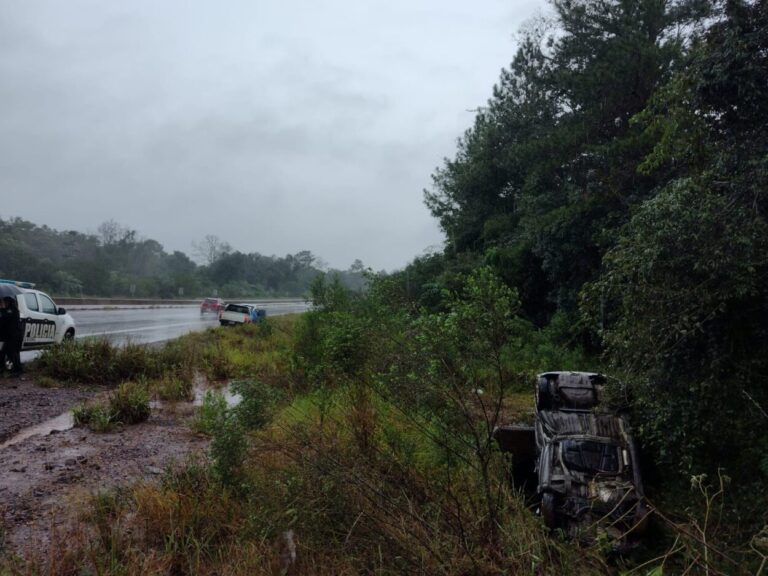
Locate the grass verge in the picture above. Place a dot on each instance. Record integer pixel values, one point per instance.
(128, 404)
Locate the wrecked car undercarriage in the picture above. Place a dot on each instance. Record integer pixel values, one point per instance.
(584, 460)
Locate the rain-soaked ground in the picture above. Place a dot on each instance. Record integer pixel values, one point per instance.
(14, 431)
(47, 467)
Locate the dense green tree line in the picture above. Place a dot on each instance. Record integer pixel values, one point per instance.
(117, 262)
(616, 179)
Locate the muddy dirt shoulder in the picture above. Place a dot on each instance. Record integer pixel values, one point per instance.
(46, 480)
(23, 403)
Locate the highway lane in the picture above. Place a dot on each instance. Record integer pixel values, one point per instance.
(146, 325)
(142, 325)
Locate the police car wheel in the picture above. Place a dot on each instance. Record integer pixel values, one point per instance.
(69, 334)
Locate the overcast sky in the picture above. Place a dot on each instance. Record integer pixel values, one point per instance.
(276, 125)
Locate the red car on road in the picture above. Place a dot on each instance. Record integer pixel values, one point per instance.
(214, 305)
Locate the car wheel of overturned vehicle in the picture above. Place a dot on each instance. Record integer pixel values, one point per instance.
(549, 509)
(543, 394)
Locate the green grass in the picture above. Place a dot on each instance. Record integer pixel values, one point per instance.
(210, 414)
(97, 362)
(47, 382)
(367, 484)
(173, 388)
(95, 416)
(128, 404)
(251, 351)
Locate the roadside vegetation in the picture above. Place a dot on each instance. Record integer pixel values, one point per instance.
(128, 404)
(362, 444)
(96, 362)
(168, 371)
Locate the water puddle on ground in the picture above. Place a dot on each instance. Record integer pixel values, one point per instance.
(201, 390)
(60, 423)
(66, 421)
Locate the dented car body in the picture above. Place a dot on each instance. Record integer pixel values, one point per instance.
(585, 460)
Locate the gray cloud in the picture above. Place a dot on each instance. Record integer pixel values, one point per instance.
(277, 126)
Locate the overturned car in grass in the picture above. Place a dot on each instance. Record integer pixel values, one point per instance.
(583, 457)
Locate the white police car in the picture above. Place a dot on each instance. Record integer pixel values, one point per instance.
(43, 322)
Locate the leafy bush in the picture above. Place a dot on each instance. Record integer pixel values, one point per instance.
(211, 413)
(685, 321)
(78, 361)
(228, 425)
(228, 449)
(257, 404)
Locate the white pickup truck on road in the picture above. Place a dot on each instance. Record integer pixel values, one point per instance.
(241, 314)
(235, 314)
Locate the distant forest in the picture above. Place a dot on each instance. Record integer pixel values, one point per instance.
(117, 262)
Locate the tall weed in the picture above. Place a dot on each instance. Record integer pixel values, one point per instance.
(128, 404)
(228, 450)
(211, 413)
(171, 387)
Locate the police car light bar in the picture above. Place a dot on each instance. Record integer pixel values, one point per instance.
(17, 283)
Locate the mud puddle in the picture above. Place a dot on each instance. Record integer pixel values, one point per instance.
(60, 423)
(48, 468)
(24, 404)
(231, 397)
(66, 421)
(201, 388)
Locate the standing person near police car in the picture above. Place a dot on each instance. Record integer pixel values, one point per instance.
(4, 335)
(11, 333)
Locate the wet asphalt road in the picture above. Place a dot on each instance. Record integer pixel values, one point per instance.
(147, 325)
(141, 325)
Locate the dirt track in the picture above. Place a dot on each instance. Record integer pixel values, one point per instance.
(41, 477)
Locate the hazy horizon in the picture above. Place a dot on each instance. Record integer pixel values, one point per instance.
(277, 128)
